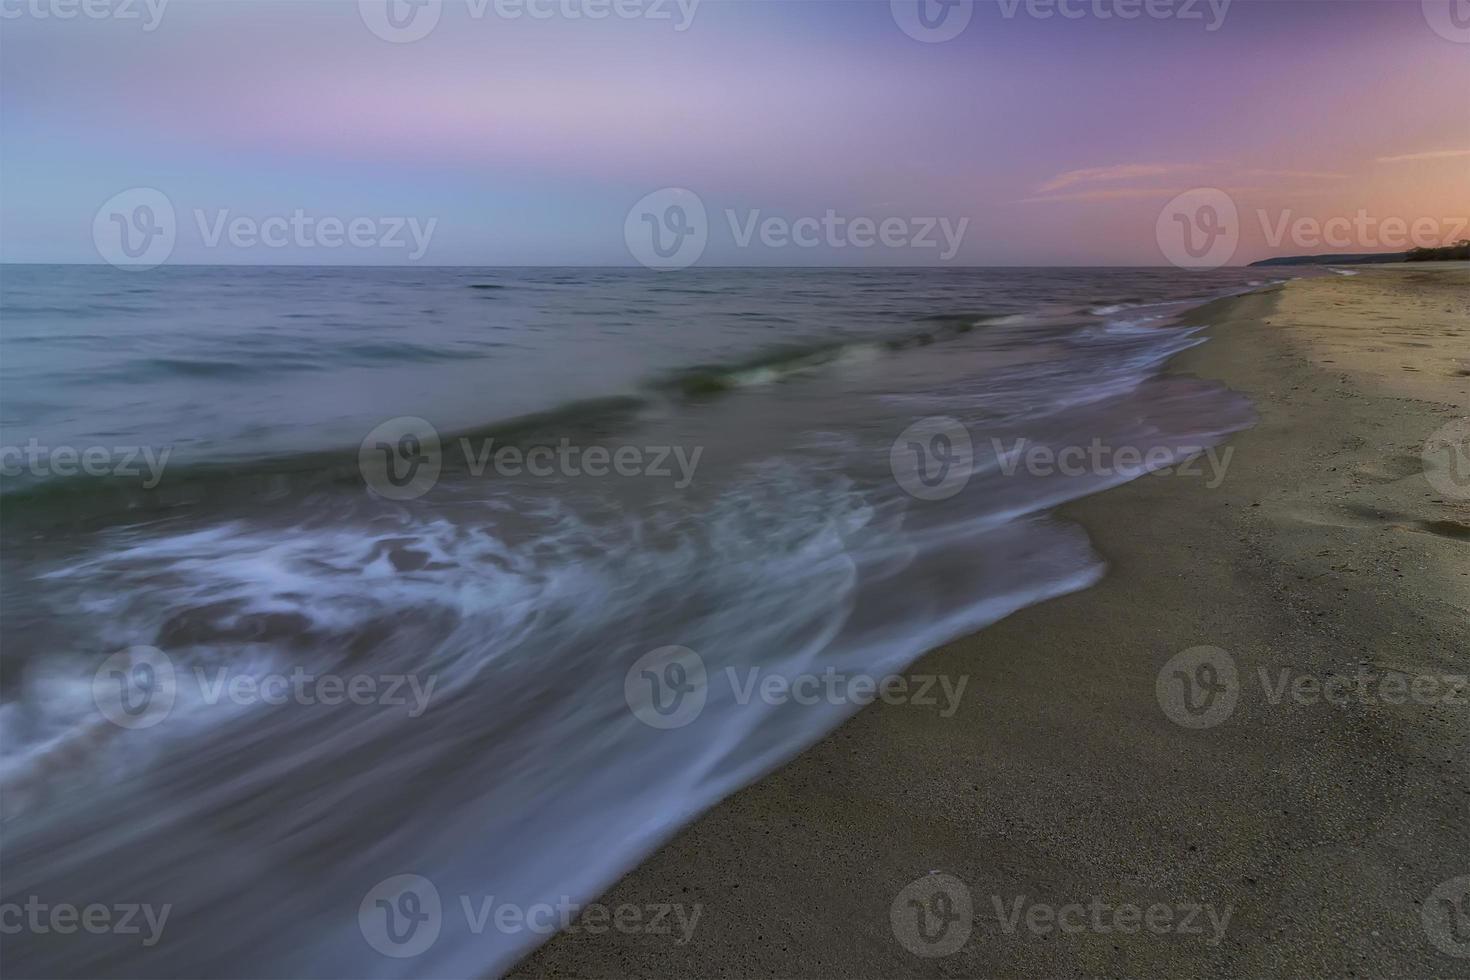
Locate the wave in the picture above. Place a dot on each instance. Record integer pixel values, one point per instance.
(530, 604)
(272, 475)
(80, 500)
(86, 502)
(776, 364)
(529, 778)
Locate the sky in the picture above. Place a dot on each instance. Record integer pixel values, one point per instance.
(1036, 134)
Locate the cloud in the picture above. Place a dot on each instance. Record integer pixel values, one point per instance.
(1134, 171)
(1430, 155)
(1104, 194)
(1125, 171)
(1295, 174)
(1134, 193)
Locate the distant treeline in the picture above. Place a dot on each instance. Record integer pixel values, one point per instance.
(1458, 252)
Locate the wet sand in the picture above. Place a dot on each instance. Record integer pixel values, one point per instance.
(1306, 833)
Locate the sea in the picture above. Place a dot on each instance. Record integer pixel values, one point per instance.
(337, 601)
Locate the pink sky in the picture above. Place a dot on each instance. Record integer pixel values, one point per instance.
(1059, 139)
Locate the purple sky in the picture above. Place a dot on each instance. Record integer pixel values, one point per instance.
(1058, 139)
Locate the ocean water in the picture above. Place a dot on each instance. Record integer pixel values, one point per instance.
(814, 478)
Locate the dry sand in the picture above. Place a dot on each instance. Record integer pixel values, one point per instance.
(1321, 827)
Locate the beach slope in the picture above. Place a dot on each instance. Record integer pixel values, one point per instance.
(1311, 821)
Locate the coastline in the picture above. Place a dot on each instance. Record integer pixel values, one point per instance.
(1319, 828)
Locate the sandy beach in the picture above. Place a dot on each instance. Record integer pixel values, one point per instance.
(766, 491)
(1298, 826)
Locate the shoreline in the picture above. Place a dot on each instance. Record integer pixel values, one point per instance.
(1316, 829)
